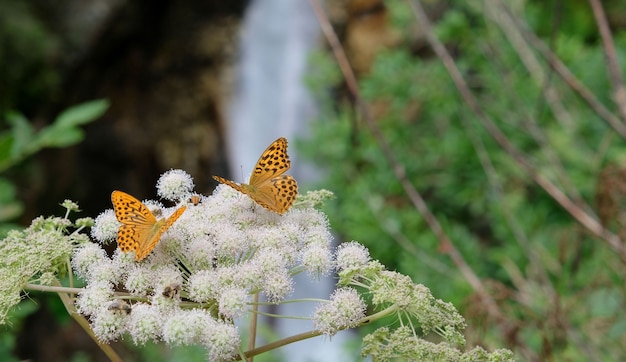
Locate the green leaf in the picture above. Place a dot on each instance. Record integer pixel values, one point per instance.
(7, 190)
(6, 144)
(60, 136)
(82, 113)
(22, 132)
(10, 208)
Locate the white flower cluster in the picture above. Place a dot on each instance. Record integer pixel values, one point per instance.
(34, 255)
(203, 271)
(345, 310)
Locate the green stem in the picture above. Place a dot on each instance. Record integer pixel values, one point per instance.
(53, 289)
(306, 335)
(280, 315)
(253, 325)
(69, 272)
(282, 342)
(312, 300)
(71, 310)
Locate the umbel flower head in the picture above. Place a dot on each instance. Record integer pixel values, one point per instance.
(203, 271)
(37, 255)
(208, 268)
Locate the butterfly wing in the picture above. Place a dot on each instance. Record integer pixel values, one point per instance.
(268, 186)
(286, 191)
(273, 162)
(142, 238)
(172, 219)
(148, 238)
(277, 194)
(140, 231)
(130, 211)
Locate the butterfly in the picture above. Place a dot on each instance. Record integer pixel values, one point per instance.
(140, 230)
(268, 186)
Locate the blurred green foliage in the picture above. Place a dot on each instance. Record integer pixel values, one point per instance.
(29, 81)
(562, 291)
(20, 140)
(28, 52)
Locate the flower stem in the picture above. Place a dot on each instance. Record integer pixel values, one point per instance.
(306, 335)
(53, 289)
(253, 325)
(64, 294)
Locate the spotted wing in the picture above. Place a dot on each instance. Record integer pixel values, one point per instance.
(137, 239)
(140, 231)
(130, 211)
(277, 195)
(273, 162)
(148, 239)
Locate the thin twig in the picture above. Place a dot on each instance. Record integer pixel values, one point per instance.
(52, 289)
(616, 78)
(315, 333)
(500, 16)
(568, 77)
(416, 199)
(407, 244)
(517, 230)
(498, 194)
(534, 67)
(282, 342)
(586, 220)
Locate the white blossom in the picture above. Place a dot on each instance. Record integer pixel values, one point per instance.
(175, 185)
(351, 255)
(145, 324)
(105, 227)
(345, 310)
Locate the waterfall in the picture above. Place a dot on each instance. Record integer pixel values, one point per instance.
(270, 100)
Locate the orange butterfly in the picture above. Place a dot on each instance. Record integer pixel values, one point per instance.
(140, 230)
(268, 186)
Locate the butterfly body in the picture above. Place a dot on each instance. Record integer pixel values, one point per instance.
(268, 185)
(140, 230)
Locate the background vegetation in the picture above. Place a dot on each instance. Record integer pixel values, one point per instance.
(511, 134)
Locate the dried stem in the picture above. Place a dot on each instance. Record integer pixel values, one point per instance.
(446, 245)
(537, 72)
(586, 220)
(616, 78)
(568, 77)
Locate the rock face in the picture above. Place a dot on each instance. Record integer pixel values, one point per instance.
(165, 68)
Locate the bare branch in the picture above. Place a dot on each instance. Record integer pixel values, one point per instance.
(589, 222)
(571, 80)
(446, 245)
(511, 29)
(616, 78)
